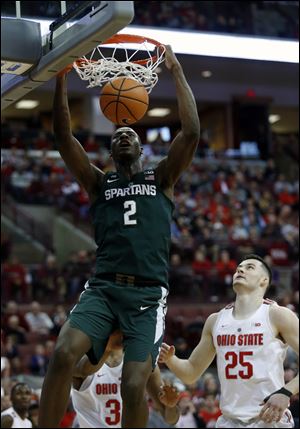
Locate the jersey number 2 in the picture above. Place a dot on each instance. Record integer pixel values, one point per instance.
(238, 359)
(114, 409)
(131, 205)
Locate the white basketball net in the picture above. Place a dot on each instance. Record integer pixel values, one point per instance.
(99, 71)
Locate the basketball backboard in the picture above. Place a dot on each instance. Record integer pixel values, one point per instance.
(74, 32)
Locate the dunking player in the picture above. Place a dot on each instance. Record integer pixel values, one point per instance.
(97, 397)
(250, 339)
(131, 211)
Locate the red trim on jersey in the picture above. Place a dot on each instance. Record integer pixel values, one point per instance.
(268, 301)
(229, 306)
(288, 415)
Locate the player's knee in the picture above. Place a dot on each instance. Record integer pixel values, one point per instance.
(64, 358)
(132, 390)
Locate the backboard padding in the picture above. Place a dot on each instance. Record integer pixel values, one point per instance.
(79, 39)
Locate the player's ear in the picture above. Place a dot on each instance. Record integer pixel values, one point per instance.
(265, 282)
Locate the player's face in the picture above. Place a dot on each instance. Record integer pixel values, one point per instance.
(125, 145)
(21, 397)
(249, 273)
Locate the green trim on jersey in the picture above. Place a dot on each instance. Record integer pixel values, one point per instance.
(132, 220)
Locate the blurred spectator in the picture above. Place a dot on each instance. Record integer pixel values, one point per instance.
(210, 411)
(76, 272)
(59, 317)
(201, 264)
(225, 267)
(38, 361)
(11, 309)
(10, 351)
(38, 320)
(188, 413)
(272, 228)
(17, 282)
(254, 18)
(14, 330)
(41, 142)
(238, 231)
(210, 384)
(45, 284)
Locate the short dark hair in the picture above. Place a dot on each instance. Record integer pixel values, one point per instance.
(260, 259)
(14, 388)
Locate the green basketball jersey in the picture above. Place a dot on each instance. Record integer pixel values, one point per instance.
(132, 220)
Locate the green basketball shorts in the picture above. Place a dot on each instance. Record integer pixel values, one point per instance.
(139, 312)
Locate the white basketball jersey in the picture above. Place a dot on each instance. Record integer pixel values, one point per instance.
(249, 360)
(18, 422)
(98, 402)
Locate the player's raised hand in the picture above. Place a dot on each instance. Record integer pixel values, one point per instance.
(273, 409)
(168, 395)
(166, 352)
(170, 59)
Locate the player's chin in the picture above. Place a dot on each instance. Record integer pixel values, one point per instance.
(239, 282)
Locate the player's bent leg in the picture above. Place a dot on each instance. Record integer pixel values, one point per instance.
(135, 376)
(71, 345)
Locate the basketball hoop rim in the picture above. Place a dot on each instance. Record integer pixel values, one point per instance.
(130, 38)
(127, 38)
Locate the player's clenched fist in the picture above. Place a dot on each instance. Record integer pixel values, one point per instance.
(166, 352)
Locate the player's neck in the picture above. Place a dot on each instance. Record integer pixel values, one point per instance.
(129, 170)
(22, 413)
(246, 304)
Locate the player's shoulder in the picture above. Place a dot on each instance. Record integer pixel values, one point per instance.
(280, 315)
(210, 322)
(275, 308)
(213, 318)
(6, 419)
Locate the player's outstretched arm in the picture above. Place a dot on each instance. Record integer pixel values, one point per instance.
(286, 325)
(75, 157)
(184, 145)
(165, 397)
(189, 370)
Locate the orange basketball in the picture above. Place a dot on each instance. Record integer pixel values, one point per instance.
(124, 100)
